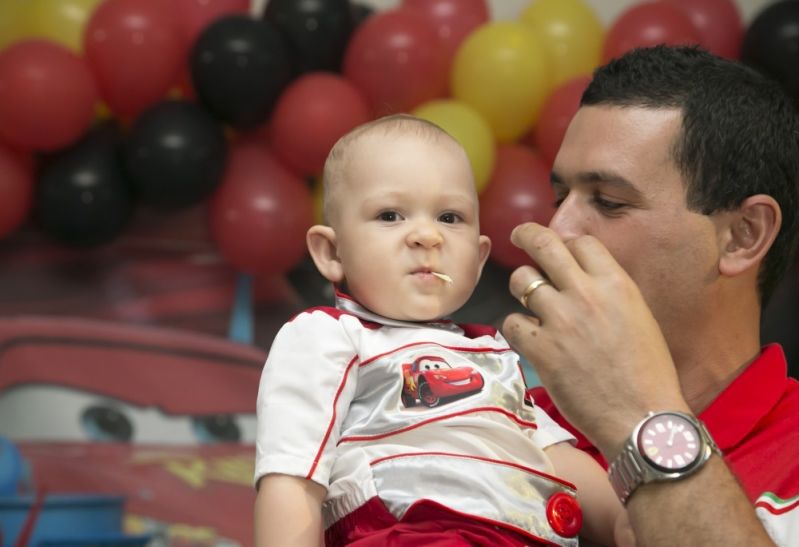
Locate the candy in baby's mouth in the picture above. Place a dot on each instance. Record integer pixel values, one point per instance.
(442, 277)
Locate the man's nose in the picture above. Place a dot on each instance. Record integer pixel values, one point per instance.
(424, 233)
(568, 219)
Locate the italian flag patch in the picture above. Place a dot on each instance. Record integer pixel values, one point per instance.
(780, 517)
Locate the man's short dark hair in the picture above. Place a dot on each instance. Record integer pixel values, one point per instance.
(739, 137)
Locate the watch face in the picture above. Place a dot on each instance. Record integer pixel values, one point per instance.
(670, 442)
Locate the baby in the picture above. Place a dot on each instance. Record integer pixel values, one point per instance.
(380, 421)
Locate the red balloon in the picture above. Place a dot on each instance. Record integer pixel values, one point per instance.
(395, 59)
(16, 187)
(313, 112)
(260, 213)
(519, 191)
(648, 24)
(557, 112)
(136, 52)
(453, 20)
(47, 95)
(718, 23)
(195, 15)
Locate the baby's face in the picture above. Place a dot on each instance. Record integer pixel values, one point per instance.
(406, 209)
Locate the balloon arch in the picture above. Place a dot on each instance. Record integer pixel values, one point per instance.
(173, 103)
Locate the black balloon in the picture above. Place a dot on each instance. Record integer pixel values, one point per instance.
(239, 67)
(82, 198)
(174, 155)
(771, 44)
(317, 30)
(360, 12)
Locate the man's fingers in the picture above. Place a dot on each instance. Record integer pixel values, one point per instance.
(528, 286)
(521, 332)
(592, 256)
(549, 252)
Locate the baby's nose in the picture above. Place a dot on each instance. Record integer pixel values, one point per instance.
(424, 234)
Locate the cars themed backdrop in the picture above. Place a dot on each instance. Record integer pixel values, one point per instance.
(159, 166)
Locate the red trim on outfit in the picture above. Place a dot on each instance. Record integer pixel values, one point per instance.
(510, 415)
(332, 418)
(453, 348)
(337, 313)
(479, 458)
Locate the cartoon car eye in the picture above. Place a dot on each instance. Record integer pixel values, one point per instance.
(426, 366)
(216, 428)
(106, 423)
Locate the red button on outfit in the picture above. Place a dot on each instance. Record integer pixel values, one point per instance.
(564, 514)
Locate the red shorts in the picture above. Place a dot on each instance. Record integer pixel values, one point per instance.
(425, 523)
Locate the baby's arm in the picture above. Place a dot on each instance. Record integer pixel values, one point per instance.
(601, 508)
(288, 512)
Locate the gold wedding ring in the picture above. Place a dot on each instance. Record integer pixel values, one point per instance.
(530, 289)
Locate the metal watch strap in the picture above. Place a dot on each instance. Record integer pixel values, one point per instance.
(625, 473)
(629, 469)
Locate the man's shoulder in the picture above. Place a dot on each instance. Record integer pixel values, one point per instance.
(788, 406)
(766, 461)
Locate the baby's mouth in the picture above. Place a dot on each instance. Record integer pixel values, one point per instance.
(429, 271)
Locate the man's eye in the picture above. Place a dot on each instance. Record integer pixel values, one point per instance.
(449, 218)
(607, 205)
(388, 216)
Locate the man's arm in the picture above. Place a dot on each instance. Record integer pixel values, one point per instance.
(602, 357)
(288, 512)
(707, 508)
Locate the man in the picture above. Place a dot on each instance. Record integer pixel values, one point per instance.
(677, 191)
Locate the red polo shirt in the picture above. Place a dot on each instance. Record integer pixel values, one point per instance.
(755, 422)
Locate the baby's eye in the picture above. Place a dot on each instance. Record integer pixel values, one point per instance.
(450, 218)
(389, 216)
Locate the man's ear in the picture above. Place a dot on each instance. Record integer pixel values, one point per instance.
(749, 232)
(484, 248)
(321, 241)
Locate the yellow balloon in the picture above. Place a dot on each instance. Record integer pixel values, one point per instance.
(469, 128)
(570, 32)
(61, 21)
(503, 71)
(13, 21)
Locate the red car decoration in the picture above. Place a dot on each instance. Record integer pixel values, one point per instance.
(430, 379)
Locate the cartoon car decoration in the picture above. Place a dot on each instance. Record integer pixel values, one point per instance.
(431, 379)
(163, 417)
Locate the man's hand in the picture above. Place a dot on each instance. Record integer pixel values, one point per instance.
(593, 340)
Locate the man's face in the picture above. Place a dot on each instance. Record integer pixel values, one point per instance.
(407, 207)
(615, 179)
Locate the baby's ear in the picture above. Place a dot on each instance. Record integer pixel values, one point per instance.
(321, 242)
(484, 246)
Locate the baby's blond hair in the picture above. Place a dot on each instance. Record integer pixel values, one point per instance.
(338, 159)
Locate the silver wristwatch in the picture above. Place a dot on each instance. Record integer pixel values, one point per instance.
(664, 446)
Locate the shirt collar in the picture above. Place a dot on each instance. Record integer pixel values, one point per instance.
(748, 399)
(346, 303)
